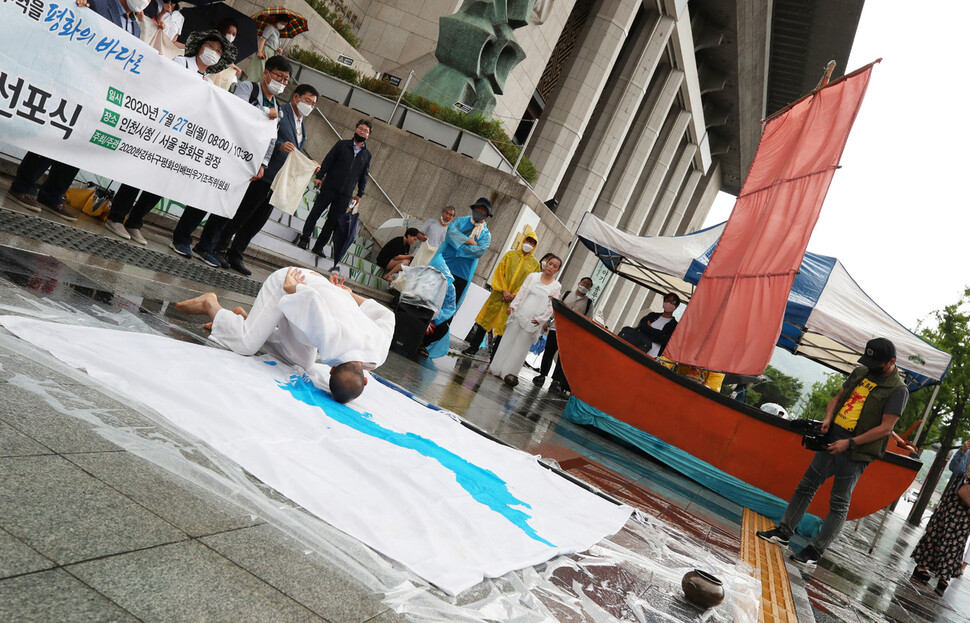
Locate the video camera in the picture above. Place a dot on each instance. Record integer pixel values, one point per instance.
(812, 436)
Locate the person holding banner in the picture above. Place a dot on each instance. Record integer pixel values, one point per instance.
(23, 190)
(255, 207)
(261, 95)
(206, 52)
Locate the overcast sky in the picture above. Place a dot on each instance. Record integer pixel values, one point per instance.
(896, 214)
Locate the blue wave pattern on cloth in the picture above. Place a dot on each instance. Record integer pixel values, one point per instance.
(482, 484)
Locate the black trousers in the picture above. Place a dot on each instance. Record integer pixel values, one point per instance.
(191, 219)
(253, 212)
(460, 285)
(124, 208)
(552, 347)
(32, 167)
(335, 203)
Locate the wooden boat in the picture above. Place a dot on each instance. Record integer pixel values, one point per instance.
(759, 448)
(734, 321)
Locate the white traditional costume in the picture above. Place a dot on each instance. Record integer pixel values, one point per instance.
(532, 302)
(319, 316)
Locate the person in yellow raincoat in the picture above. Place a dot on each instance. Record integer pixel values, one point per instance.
(511, 271)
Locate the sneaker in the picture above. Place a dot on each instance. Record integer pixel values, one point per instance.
(223, 258)
(117, 229)
(208, 258)
(61, 211)
(471, 351)
(807, 558)
(775, 535)
(136, 236)
(181, 249)
(28, 201)
(539, 380)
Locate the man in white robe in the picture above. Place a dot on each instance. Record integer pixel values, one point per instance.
(296, 316)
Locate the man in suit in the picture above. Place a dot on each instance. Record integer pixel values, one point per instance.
(262, 95)
(345, 166)
(255, 208)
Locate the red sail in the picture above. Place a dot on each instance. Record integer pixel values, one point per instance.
(735, 316)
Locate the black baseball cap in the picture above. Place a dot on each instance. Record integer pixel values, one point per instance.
(483, 203)
(878, 351)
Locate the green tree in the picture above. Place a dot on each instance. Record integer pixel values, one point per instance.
(812, 406)
(783, 390)
(948, 330)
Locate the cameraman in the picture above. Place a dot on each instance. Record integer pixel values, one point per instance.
(860, 419)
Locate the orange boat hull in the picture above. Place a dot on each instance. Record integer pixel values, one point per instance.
(611, 375)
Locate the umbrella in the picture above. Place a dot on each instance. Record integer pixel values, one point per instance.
(295, 23)
(393, 228)
(210, 16)
(345, 233)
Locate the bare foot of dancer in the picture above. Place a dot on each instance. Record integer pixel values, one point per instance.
(239, 311)
(205, 305)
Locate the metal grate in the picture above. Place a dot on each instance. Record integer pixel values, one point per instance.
(68, 237)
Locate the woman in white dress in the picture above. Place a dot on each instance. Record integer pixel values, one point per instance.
(528, 312)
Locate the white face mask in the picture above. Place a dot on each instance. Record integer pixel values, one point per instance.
(209, 57)
(280, 26)
(230, 38)
(137, 6)
(304, 108)
(527, 247)
(275, 87)
(670, 307)
(582, 289)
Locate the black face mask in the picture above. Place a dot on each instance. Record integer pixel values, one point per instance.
(877, 370)
(358, 138)
(478, 218)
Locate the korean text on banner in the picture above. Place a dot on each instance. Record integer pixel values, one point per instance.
(76, 88)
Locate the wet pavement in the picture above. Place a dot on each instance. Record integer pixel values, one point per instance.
(97, 522)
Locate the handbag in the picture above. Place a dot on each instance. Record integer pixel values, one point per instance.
(964, 491)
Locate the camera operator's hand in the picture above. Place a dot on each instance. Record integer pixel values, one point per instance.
(839, 446)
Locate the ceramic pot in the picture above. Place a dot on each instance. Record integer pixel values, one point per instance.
(702, 589)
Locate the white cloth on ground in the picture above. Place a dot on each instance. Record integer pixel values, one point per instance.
(406, 480)
(532, 302)
(319, 316)
(291, 182)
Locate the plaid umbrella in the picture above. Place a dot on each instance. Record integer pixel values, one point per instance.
(295, 23)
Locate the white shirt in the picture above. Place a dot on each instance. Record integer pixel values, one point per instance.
(435, 232)
(657, 324)
(173, 24)
(328, 317)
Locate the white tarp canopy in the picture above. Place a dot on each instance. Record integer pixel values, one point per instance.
(828, 319)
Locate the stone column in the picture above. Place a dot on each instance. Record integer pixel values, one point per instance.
(622, 182)
(568, 113)
(610, 128)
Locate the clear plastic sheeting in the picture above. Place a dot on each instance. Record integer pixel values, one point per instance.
(425, 286)
(632, 576)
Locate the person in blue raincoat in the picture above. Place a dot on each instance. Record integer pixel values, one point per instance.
(465, 242)
(439, 324)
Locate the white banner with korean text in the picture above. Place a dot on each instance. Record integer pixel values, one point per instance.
(78, 89)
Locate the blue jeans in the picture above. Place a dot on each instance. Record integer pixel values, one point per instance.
(824, 466)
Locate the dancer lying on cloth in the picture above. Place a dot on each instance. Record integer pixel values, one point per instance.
(295, 315)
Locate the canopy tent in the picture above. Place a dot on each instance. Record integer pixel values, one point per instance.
(828, 318)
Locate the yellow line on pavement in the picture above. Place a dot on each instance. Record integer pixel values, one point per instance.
(777, 605)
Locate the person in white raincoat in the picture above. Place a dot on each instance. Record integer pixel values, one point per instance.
(528, 312)
(297, 315)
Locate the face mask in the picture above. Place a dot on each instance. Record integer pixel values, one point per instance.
(582, 289)
(542, 265)
(304, 108)
(528, 249)
(478, 218)
(275, 87)
(670, 307)
(358, 138)
(280, 26)
(137, 6)
(877, 370)
(209, 57)
(230, 38)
